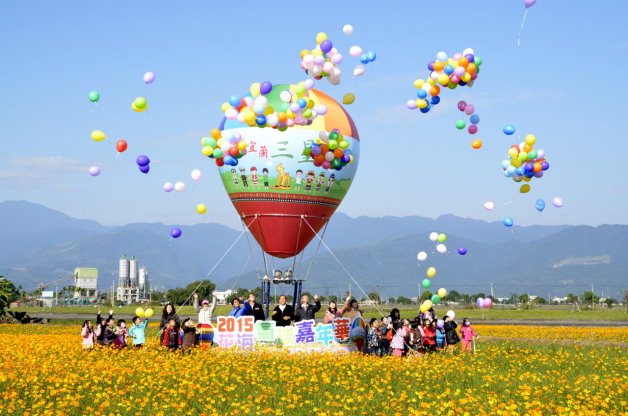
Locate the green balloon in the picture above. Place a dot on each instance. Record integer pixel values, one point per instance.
(426, 283)
(333, 135)
(93, 96)
(435, 299)
(284, 107)
(140, 102)
(460, 124)
(218, 153)
(477, 61)
(532, 154)
(442, 237)
(307, 151)
(335, 163)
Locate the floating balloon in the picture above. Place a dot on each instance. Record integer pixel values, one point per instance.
(140, 102)
(451, 314)
(480, 302)
(175, 232)
(142, 160)
(359, 70)
(355, 51)
(435, 299)
(144, 169)
(462, 251)
(433, 236)
(508, 222)
(93, 96)
(430, 272)
(442, 237)
(140, 312)
(509, 130)
(94, 171)
(440, 323)
(121, 145)
(460, 124)
(529, 3)
(349, 98)
(441, 248)
(442, 292)
(179, 186)
(148, 313)
(524, 189)
(422, 256)
(426, 283)
(489, 206)
(168, 187)
(149, 77)
(487, 302)
(539, 204)
(557, 202)
(201, 208)
(476, 144)
(137, 109)
(196, 175)
(98, 136)
(347, 29)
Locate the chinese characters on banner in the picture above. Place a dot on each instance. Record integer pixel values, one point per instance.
(244, 333)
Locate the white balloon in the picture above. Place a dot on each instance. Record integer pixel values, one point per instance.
(355, 51)
(433, 236)
(285, 96)
(451, 314)
(168, 187)
(196, 175)
(441, 56)
(441, 248)
(488, 205)
(347, 29)
(272, 120)
(422, 256)
(333, 80)
(359, 70)
(468, 51)
(557, 202)
(179, 186)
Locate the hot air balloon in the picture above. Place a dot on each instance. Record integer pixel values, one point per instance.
(281, 190)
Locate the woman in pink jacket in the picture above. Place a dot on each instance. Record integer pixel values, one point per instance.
(400, 331)
(87, 332)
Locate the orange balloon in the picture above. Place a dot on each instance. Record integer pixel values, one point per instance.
(537, 167)
(438, 66)
(463, 62)
(304, 52)
(338, 153)
(216, 134)
(435, 90)
(471, 68)
(324, 149)
(527, 148)
(476, 144)
(319, 158)
(282, 116)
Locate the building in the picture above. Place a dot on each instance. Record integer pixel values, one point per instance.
(221, 297)
(86, 282)
(132, 281)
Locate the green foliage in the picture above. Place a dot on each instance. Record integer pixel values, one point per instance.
(402, 300)
(374, 296)
(610, 302)
(179, 295)
(425, 295)
(8, 293)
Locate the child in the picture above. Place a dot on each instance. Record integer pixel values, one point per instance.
(400, 331)
(468, 334)
(451, 337)
(107, 332)
(373, 337)
(189, 335)
(266, 180)
(138, 331)
(171, 335)
(429, 336)
(121, 334)
(384, 344)
(440, 337)
(87, 332)
(101, 323)
(254, 177)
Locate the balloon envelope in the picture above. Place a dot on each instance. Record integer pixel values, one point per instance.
(422, 256)
(274, 188)
(539, 204)
(557, 202)
(451, 314)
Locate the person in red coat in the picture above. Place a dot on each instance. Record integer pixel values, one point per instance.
(429, 336)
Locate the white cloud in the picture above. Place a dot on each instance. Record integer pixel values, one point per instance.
(38, 171)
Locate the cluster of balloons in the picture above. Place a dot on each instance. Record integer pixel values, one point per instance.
(539, 204)
(322, 61)
(295, 108)
(331, 150)
(484, 302)
(175, 232)
(144, 313)
(226, 150)
(474, 120)
(139, 104)
(169, 187)
(459, 70)
(143, 163)
(525, 163)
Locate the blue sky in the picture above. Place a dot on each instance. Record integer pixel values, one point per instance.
(564, 83)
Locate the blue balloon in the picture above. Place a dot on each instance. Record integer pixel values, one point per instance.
(511, 170)
(425, 110)
(475, 119)
(435, 100)
(544, 165)
(508, 222)
(539, 204)
(520, 171)
(144, 169)
(228, 159)
(449, 69)
(529, 174)
(260, 120)
(421, 93)
(462, 251)
(371, 56)
(234, 100)
(528, 167)
(302, 102)
(462, 83)
(364, 59)
(265, 87)
(142, 160)
(175, 232)
(509, 129)
(506, 163)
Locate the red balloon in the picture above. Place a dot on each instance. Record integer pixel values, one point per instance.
(234, 151)
(219, 162)
(121, 145)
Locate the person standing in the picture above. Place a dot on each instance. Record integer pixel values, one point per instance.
(305, 310)
(237, 310)
(468, 335)
(451, 337)
(205, 311)
(254, 309)
(283, 314)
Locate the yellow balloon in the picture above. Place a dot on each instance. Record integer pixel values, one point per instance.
(512, 152)
(249, 117)
(255, 89)
(148, 313)
(269, 110)
(419, 83)
(421, 103)
(526, 179)
(139, 110)
(310, 103)
(443, 79)
(431, 272)
(201, 208)
(225, 106)
(424, 308)
(525, 188)
(140, 312)
(98, 136)
(429, 304)
(207, 150)
(241, 145)
(321, 36)
(317, 52)
(349, 98)
(466, 77)
(515, 162)
(530, 139)
(431, 81)
(442, 292)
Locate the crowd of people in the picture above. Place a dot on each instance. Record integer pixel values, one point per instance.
(389, 335)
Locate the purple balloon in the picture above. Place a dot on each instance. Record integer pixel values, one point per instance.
(544, 165)
(175, 232)
(528, 167)
(472, 129)
(529, 3)
(144, 169)
(316, 150)
(480, 302)
(265, 87)
(462, 105)
(94, 171)
(142, 160)
(462, 251)
(470, 57)
(326, 46)
(430, 65)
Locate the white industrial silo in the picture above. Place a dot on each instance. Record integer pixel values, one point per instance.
(143, 280)
(123, 271)
(133, 272)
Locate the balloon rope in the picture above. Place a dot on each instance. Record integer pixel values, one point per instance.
(241, 270)
(248, 243)
(294, 259)
(521, 30)
(316, 252)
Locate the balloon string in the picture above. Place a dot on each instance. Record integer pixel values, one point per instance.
(521, 30)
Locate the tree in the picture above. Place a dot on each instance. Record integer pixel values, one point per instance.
(402, 300)
(240, 293)
(374, 296)
(453, 296)
(332, 298)
(571, 298)
(609, 302)
(425, 295)
(8, 293)
(589, 297)
(179, 295)
(539, 301)
(524, 298)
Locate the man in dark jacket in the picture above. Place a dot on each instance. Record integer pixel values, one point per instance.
(283, 314)
(252, 308)
(305, 310)
(451, 337)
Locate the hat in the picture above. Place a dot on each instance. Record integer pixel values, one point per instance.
(205, 302)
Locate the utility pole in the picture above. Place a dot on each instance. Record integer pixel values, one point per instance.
(492, 294)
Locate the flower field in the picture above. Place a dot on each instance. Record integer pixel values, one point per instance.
(551, 333)
(44, 371)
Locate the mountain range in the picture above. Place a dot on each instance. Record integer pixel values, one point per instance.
(370, 254)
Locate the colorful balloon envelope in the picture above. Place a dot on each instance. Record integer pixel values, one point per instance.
(276, 187)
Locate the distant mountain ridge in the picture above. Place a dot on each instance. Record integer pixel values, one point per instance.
(41, 244)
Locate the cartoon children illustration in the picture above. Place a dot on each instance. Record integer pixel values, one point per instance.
(320, 181)
(245, 183)
(297, 181)
(234, 175)
(330, 182)
(254, 177)
(265, 173)
(308, 181)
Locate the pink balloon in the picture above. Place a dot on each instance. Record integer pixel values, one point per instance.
(469, 109)
(487, 303)
(472, 129)
(529, 3)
